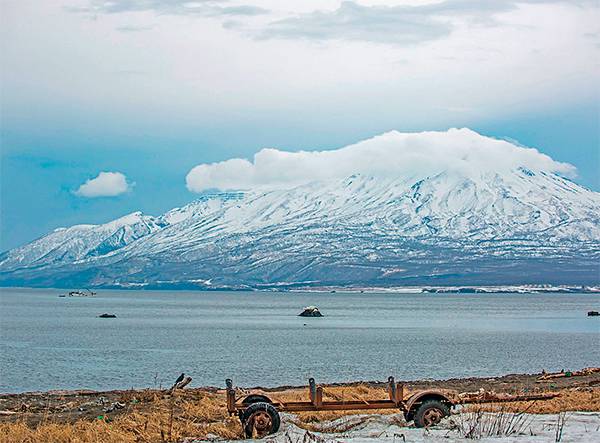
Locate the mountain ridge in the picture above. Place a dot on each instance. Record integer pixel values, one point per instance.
(506, 225)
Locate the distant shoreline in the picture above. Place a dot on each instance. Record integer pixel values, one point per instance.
(460, 289)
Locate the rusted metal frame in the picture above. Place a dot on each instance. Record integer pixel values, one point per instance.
(395, 391)
(316, 403)
(315, 393)
(335, 405)
(231, 406)
(327, 405)
(396, 400)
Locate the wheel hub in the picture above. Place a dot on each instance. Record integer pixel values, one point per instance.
(432, 417)
(261, 421)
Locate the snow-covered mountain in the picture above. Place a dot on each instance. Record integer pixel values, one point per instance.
(515, 224)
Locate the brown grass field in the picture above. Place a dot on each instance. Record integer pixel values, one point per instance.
(149, 416)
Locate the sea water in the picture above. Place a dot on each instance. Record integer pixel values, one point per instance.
(257, 338)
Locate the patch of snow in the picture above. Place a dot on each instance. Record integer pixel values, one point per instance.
(579, 427)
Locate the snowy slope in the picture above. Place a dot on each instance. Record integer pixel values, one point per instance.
(65, 245)
(455, 226)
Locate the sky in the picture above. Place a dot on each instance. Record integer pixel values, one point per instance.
(107, 106)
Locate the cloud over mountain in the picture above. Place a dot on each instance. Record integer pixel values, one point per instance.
(106, 184)
(392, 154)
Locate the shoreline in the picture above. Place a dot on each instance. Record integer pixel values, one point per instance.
(508, 383)
(528, 378)
(293, 288)
(196, 414)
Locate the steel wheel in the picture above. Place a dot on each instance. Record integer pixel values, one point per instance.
(430, 413)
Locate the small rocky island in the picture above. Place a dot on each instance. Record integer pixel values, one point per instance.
(311, 311)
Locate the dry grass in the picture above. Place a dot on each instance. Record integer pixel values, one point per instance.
(60, 433)
(579, 399)
(164, 420)
(155, 417)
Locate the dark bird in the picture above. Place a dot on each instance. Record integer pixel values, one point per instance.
(180, 378)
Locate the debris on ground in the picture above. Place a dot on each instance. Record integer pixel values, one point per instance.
(563, 373)
(483, 396)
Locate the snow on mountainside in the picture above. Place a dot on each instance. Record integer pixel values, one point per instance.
(81, 241)
(510, 223)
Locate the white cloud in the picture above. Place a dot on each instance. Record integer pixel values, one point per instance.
(106, 184)
(393, 154)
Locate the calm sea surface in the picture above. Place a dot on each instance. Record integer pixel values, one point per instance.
(47, 342)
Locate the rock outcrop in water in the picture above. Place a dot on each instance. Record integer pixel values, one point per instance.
(311, 311)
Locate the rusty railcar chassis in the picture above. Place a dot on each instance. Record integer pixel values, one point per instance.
(260, 415)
